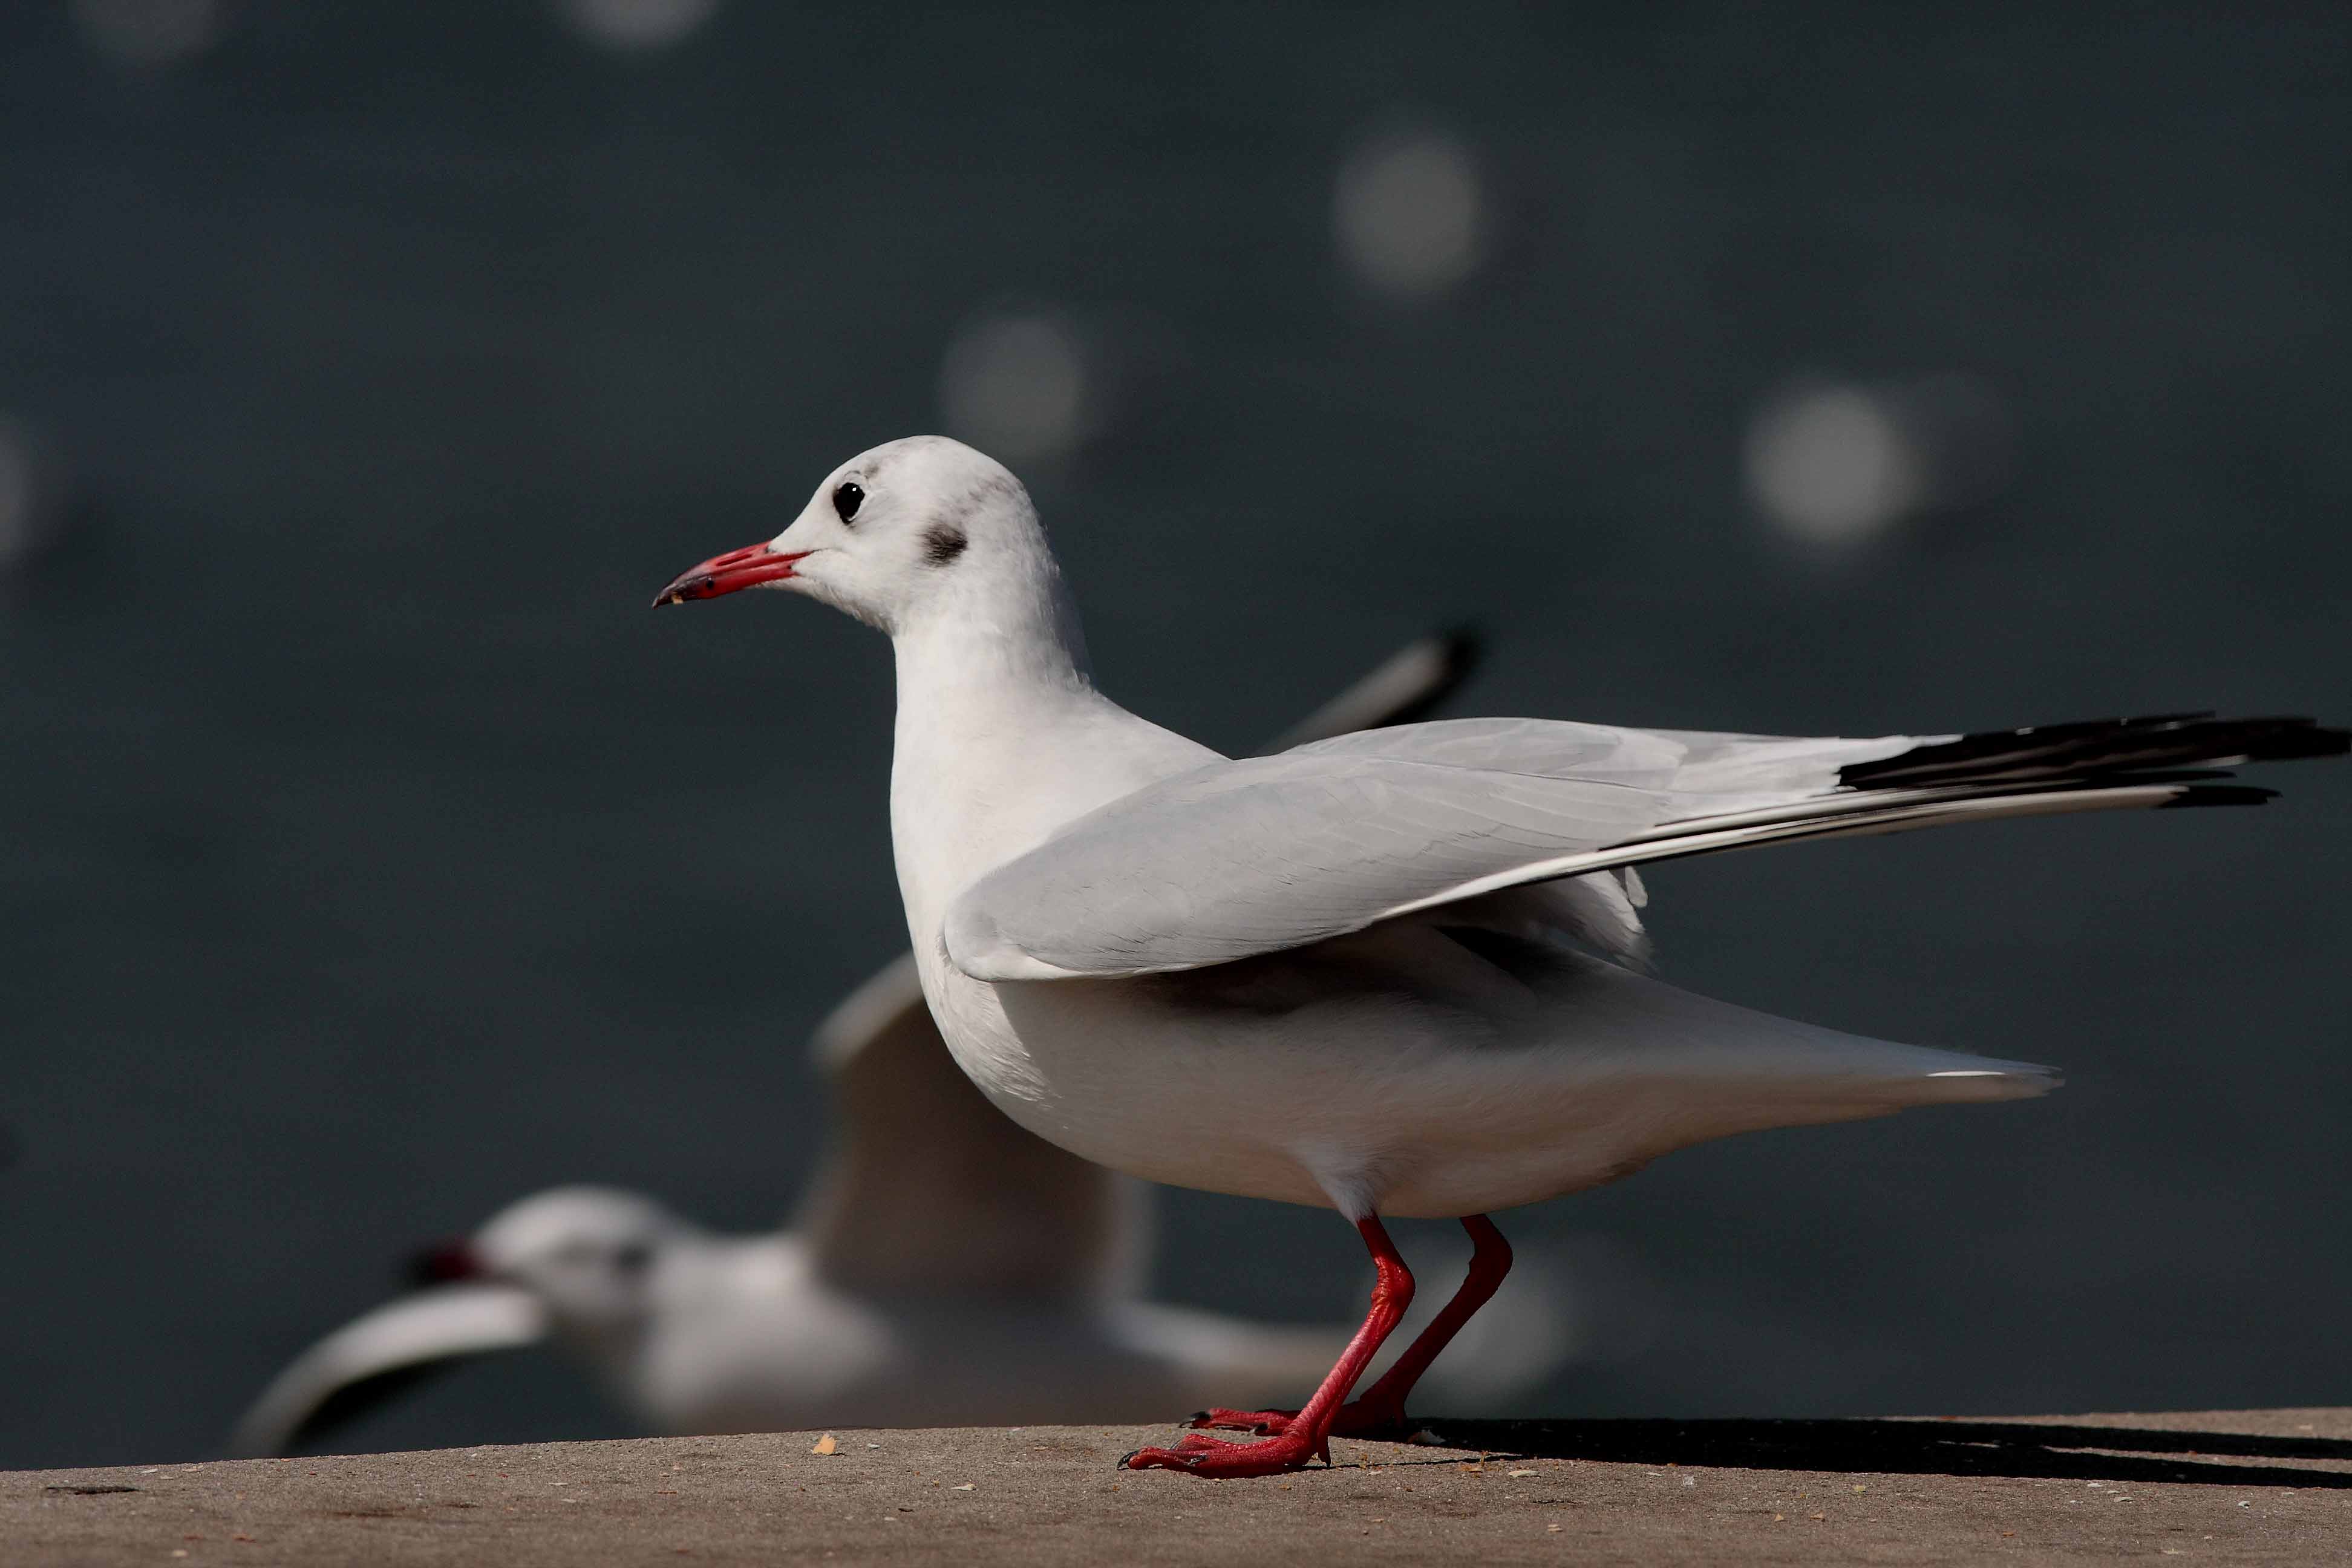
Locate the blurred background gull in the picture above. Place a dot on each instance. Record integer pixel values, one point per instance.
(369, 856)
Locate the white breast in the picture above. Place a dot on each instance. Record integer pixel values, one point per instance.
(983, 771)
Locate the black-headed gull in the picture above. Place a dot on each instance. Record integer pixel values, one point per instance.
(945, 1267)
(1359, 973)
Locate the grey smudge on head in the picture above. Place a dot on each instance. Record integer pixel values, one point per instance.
(942, 543)
(946, 538)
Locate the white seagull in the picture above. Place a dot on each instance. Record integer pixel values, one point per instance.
(1352, 974)
(946, 1268)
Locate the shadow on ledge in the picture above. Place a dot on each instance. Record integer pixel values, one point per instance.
(1917, 1447)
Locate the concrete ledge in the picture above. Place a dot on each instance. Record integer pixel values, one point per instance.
(2271, 1486)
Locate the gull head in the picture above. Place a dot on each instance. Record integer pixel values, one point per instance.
(592, 1256)
(889, 536)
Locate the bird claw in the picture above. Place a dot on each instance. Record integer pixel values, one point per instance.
(1217, 1459)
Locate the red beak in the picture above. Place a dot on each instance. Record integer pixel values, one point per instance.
(745, 568)
(444, 1262)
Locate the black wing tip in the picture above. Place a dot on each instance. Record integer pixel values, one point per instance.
(361, 1398)
(2102, 749)
(1465, 645)
(2326, 742)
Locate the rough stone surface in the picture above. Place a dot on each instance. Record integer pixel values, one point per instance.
(2273, 1486)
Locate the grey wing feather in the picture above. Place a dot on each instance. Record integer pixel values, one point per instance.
(1238, 859)
(1688, 760)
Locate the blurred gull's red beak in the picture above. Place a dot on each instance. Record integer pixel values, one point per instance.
(745, 568)
(446, 1262)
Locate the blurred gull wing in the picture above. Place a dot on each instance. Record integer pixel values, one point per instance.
(375, 1356)
(929, 1188)
(1412, 682)
(1235, 859)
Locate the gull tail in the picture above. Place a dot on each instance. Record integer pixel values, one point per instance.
(1622, 1068)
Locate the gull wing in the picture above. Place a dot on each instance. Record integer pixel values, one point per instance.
(1235, 859)
(379, 1352)
(929, 1187)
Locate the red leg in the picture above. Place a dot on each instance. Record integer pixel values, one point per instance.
(1380, 1407)
(1306, 1436)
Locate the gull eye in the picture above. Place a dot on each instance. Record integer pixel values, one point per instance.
(633, 1257)
(846, 497)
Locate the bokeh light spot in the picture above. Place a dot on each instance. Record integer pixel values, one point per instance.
(1409, 213)
(1017, 385)
(1833, 464)
(148, 34)
(1830, 465)
(636, 24)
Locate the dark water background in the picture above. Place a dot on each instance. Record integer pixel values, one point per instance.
(370, 856)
